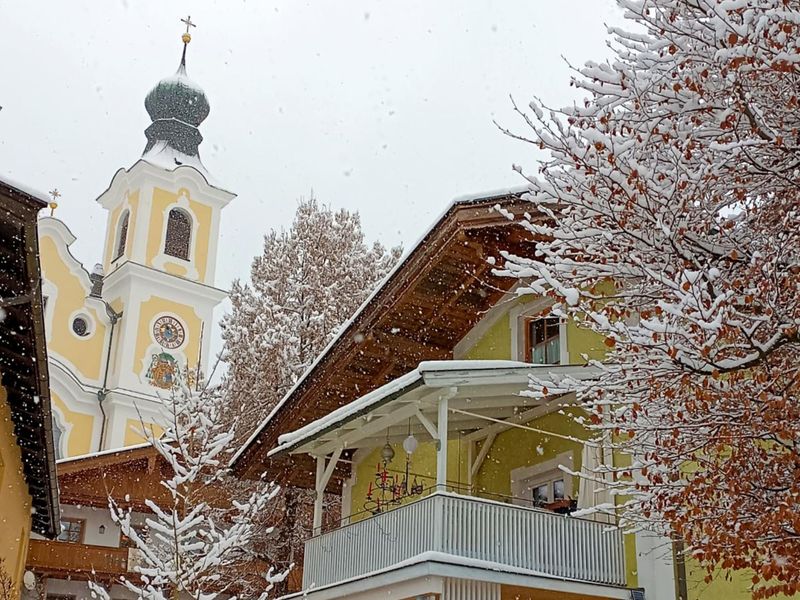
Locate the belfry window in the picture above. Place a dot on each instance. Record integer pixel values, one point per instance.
(179, 234)
(122, 234)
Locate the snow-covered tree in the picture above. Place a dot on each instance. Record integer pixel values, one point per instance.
(197, 545)
(670, 225)
(304, 285)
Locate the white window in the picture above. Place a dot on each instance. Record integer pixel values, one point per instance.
(547, 490)
(537, 337)
(543, 341)
(544, 484)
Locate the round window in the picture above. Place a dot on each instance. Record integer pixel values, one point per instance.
(80, 326)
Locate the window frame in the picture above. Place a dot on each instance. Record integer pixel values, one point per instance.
(525, 479)
(528, 343)
(519, 315)
(121, 239)
(189, 223)
(81, 531)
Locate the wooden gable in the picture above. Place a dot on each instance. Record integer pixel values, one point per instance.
(440, 291)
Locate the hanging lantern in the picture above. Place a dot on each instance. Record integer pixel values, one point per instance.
(410, 444)
(387, 453)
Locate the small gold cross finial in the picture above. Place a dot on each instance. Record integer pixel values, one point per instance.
(55, 195)
(187, 37)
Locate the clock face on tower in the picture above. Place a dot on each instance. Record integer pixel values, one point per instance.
(168, 332)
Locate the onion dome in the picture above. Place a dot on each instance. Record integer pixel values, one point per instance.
(176, 106)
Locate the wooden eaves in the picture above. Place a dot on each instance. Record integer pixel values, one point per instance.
(441, 289)
(23, 354)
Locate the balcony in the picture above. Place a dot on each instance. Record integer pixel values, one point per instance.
(78, 561)
(470, 531)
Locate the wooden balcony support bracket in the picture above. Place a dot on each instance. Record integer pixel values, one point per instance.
(324, 473)
(474, 467)
(426, 423)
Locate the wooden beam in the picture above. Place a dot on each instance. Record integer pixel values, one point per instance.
(426, 423)
(487, 445)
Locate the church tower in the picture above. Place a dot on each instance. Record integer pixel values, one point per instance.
(148, 307)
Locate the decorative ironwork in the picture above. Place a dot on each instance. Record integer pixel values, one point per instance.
(389, 490)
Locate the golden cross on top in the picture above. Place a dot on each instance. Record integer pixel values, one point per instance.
(188, 22)
(55, 195)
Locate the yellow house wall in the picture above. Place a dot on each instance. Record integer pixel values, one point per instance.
(726, 585)
(15, 502)
(162, 199)
(84, 353)
(495, 344)
(147, 312)
(583, 341)
(79, 438)
(518, 448)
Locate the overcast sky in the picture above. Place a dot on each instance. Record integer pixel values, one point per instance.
(385, 107)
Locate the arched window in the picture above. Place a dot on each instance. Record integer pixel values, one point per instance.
(179, 234)
(122, 234)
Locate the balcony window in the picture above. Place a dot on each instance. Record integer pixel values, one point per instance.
(544, 494)
(543, 341)
(71, 531)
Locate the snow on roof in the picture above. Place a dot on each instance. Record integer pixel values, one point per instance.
(110, 451)
(25, 189)
(394, 388)
(165, 156)
(517, 190)
(346, 325)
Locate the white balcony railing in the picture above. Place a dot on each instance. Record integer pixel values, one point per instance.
(471, 528)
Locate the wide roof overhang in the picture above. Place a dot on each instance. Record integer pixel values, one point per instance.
(483, 397)
(432, 299)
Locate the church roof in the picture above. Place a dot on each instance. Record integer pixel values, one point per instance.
(177, 106)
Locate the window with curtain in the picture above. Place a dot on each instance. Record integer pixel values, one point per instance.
(543, 342)
(179, 234)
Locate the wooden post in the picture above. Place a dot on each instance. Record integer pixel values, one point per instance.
(441, 445)
(324, 473)
(320, 493)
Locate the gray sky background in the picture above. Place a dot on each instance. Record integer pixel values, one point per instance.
(382, 107)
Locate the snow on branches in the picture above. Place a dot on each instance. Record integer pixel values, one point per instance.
(304, 285)
(197, 546)
(671, 227)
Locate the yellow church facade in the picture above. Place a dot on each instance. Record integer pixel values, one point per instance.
(127, 330)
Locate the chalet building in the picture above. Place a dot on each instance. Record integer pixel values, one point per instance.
(453, 485)
(90, 546)
(28, 489)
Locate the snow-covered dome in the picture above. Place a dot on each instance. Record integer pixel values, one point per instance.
(177, 97)
(176, 106)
